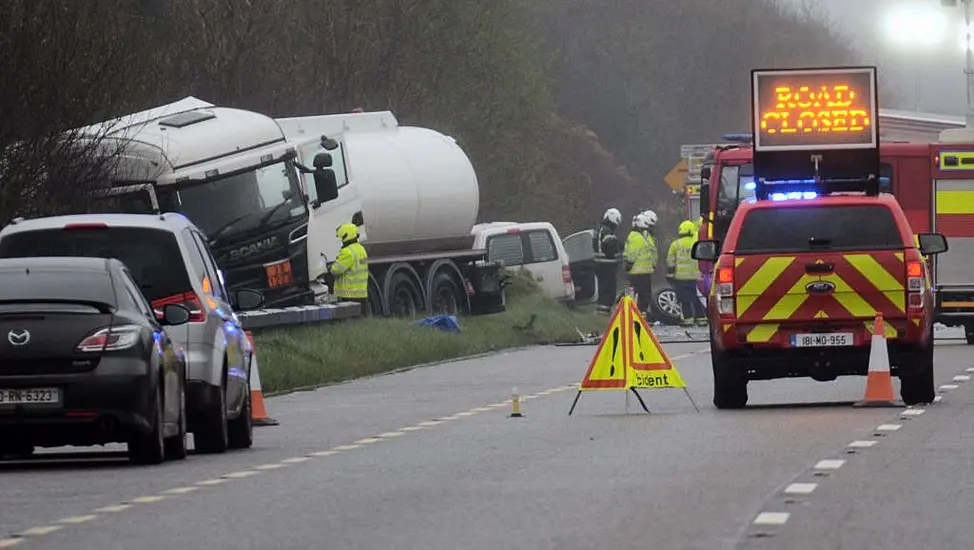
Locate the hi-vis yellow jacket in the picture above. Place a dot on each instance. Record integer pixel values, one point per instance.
(640, 253)
(351, 271)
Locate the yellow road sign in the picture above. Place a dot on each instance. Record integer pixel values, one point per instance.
(675, 177)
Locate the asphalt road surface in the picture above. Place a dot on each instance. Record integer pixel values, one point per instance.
(430, 459)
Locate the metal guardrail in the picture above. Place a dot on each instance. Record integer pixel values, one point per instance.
(300, 315)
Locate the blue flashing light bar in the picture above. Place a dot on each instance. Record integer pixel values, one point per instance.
(793, 196)
(739, 138)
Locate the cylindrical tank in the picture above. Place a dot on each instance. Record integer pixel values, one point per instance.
(415, 184)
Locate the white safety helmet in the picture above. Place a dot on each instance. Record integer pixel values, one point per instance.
(639, 221)
(612, 216)
(650, 217)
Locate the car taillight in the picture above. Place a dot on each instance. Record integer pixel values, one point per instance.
(725, 290)
(111, 339)
(914, 284)
(197, 314)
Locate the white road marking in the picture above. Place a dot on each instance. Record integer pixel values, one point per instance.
(863, 443)
(962, 378)
(269, 466)
(391, 434)
(147, 500)
(829, 464)
(466, 413)
(912, 412)
(429, 423)
(78, 519)
(181, 490)
(480, 410)
(240, 474)
(889, 427)
(949, 387)
(214, 481)
(38, 531)
(346, 447)
(800, 488)
(970, 369)
(772, 518)
(411, 429)
(113, 508)
(9, 543)
(324, 453)
(367, 440)
(295, 460)
(938, 398)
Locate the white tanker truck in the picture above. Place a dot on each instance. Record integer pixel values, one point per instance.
(245, 180)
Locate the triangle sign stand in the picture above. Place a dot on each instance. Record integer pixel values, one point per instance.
(629, 356)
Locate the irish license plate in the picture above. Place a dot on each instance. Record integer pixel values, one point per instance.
(822, 340)
(279, 274)
(30, 396)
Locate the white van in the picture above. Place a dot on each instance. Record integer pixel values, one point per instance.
(534, 246)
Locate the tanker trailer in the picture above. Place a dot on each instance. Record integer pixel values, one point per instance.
(415, 197)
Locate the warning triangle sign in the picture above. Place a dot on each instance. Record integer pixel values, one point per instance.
(608, 371)
(648, 364)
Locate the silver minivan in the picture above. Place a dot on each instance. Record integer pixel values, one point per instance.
(169, 258)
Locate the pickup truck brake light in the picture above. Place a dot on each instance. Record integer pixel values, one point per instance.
(914, 284)
(725, 291)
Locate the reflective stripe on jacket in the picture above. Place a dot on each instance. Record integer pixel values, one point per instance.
(678, 259)
(351, 271)
(641, 252)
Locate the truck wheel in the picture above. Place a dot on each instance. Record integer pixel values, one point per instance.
(969, 334)
(445, 296)
(730, 385)
(916, 381)
(405, 299)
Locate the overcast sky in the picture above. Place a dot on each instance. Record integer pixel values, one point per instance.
(908, 61)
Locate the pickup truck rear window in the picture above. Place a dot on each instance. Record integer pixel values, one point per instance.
(815, 228)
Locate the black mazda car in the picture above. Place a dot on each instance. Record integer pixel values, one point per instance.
(84, 361)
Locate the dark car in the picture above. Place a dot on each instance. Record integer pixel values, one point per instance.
(84, 361)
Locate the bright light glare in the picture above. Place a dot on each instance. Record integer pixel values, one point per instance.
(915, 25)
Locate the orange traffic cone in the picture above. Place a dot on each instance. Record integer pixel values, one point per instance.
(258, 411)
(879, 380)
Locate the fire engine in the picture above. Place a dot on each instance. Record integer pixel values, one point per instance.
(933, 182)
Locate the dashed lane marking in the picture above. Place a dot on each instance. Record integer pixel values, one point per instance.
(772, 518)
(148, 499)
(113, 508)
(962, 378)
(888, 427)
(39, 531)
(180, 490)
(970, 369)
(829, 464)
(776, 518)
(863, 443)
(78, 519)
(946, 387)
(912, 412)
(800, 488)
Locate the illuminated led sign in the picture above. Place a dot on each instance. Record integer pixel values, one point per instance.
(814, 109)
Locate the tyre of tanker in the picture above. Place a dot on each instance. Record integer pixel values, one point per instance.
(415, 184)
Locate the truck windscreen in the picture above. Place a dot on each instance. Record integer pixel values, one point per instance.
(244, 202)
(818, 228)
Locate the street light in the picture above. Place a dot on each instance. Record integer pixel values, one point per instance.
(969, 68)
(912, 25)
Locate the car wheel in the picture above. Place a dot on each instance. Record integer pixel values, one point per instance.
(730, 384)
(176, 445)
(149, 448)
(213, 437)
(668, 306)
(242, 427)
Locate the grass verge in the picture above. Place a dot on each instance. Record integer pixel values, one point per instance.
(302, 356)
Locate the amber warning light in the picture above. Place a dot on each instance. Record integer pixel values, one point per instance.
(814, 109)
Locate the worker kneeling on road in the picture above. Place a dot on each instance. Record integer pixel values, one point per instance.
(351, 268)
(639, 258)
(682, 272)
